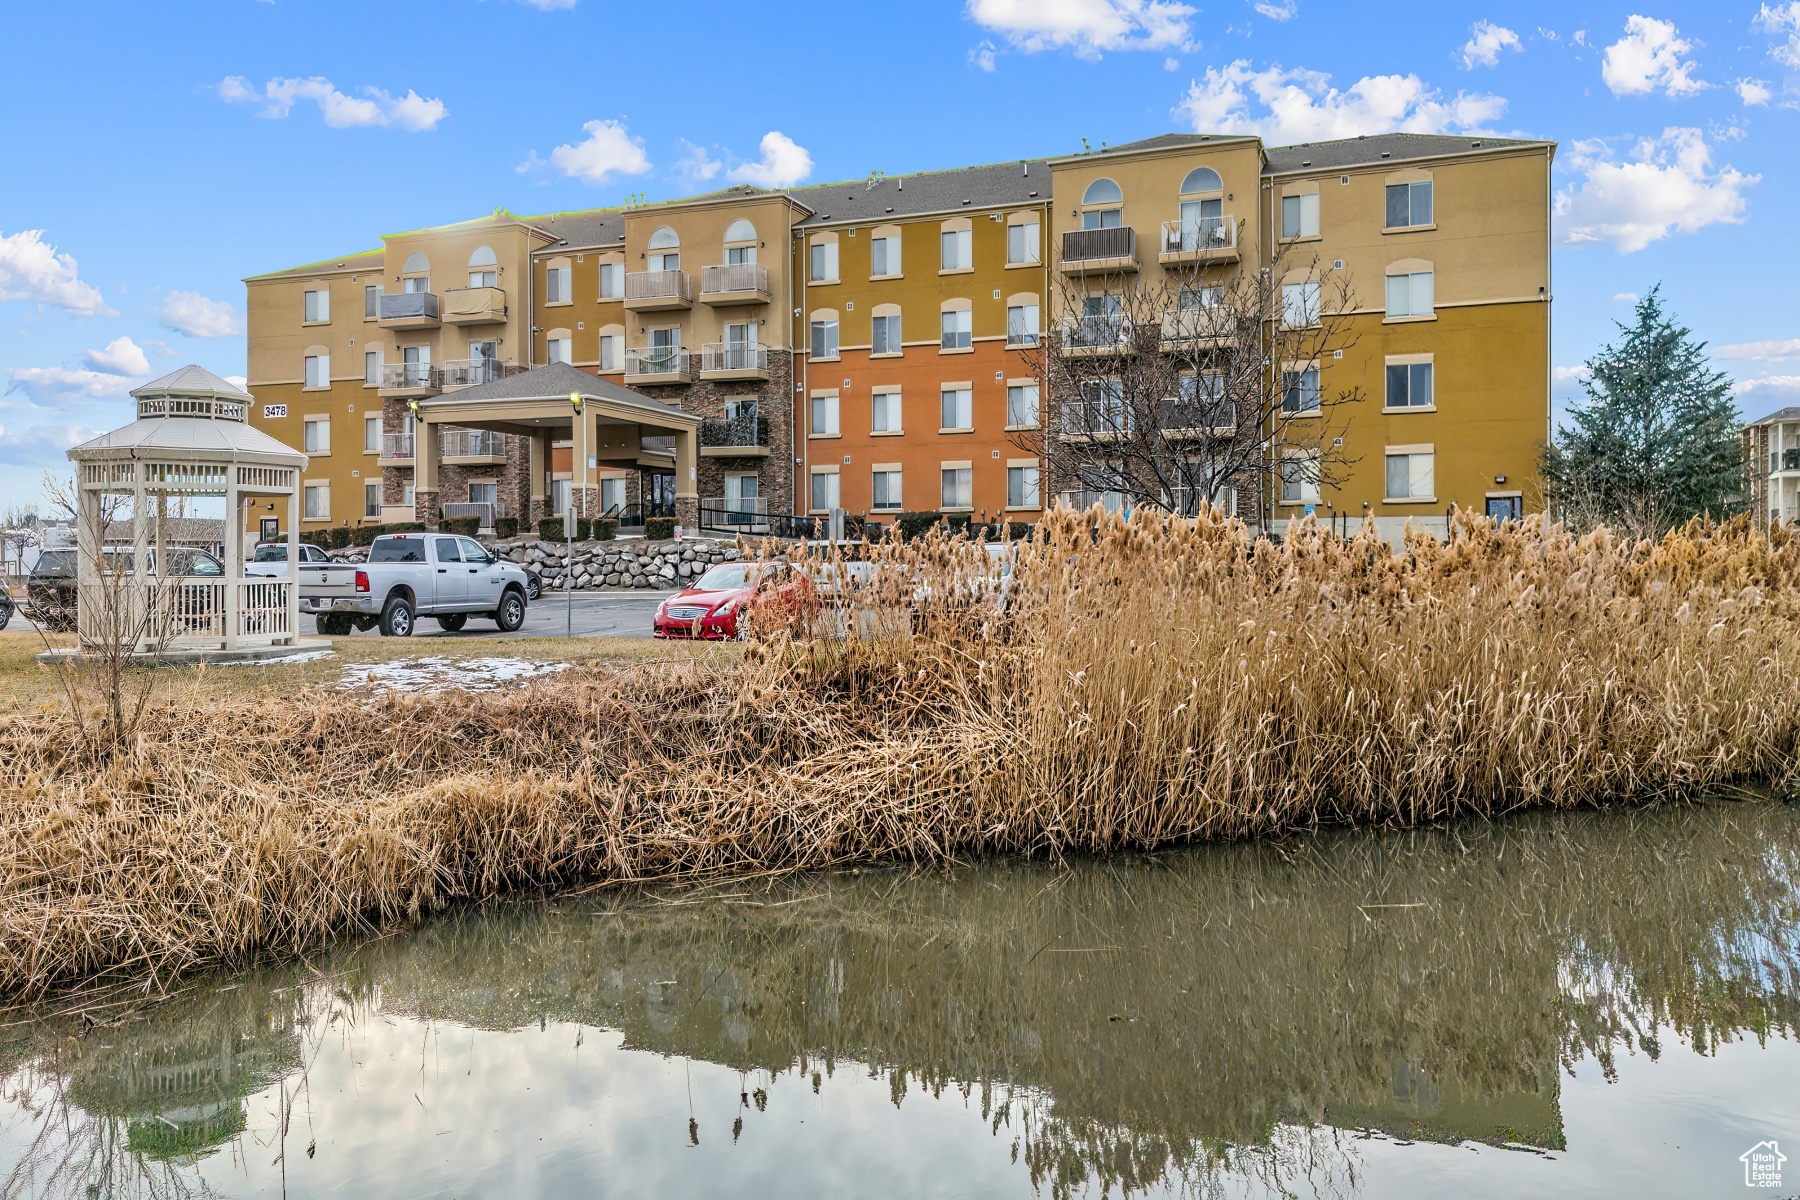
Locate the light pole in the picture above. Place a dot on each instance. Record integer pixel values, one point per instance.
(569, 514)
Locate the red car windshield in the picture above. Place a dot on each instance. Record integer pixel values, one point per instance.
(728, 577)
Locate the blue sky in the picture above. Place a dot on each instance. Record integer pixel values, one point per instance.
(157, 154)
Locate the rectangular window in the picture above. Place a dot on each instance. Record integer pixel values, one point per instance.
(556, 285)
(612, 352)
(1300, 391)
(1105, 218)
(958, 488)
(1022, 405)
(1408, 204)
(559, 496)
(884, 256)
(372, 499)
(958, 329)
(1299, 480)
(612, 281)
(668, 260)
(1022, 325)
(823, 260)
(886, 335)
(885, 416)
(1300, 304)
(958, 252)
(557, 350)
(612, 495)
(406, 495)
(741, 408)
(484, 279)
(740, 256)
(372, 368)
(1022, 243)
(372, 301)
(958, 408)
(318, 435)
(886, 490)
(1022, 487)
(1409, 476)
(1410, 295)
(372, 435)
(1300, 216)
(415, 284)
(318, 306)
(824, 339)
(318, 502)
(824, 491)
(318, 370)
(1409, 385)
(824, 416)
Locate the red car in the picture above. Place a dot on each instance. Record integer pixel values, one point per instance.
(712, 606)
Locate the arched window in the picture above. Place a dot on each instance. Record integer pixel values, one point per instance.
(484, 271)
(1202, 179)
(664, 255)
(1103, 191)
(740, 231)
(483, 257)
(664, 239)
(416, 264)
(740, 243)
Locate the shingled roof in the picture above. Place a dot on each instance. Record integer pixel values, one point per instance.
(555, 381)
(1026, 181)
(1378, 148)
(596, 227)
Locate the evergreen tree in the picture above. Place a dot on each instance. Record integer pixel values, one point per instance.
(1656, 441)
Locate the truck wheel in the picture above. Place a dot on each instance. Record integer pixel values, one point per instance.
(397, 618)
(511, 613)
(453, 622)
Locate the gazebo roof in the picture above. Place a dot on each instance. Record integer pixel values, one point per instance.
(190, 415)
(192, 381)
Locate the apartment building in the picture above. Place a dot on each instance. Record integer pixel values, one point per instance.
(873, 345)
(1772, 465)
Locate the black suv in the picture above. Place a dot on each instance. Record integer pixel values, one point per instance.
(50, 590)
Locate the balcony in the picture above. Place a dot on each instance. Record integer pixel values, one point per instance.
(733, 360)
(486, 510)
(474, 306)
(748, 514)
(1207, 325)
(1100, 419)
(466, 372)
(654, 291)
(1208, 239)
(471, 447)
(1099, 251)
(736, 437)
(410, 379)
(1105, 333)
(734, 283)
(396, 450)
(409, 310)
(646, 366)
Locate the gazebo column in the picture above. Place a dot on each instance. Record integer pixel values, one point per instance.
(425, 472)
(139, 582)
(235, 591)
(89, 544)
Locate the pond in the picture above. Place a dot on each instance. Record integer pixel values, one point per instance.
(1589, 1004)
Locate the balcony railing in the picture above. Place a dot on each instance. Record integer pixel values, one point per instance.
(734, 279)
(1089, 245)
(748, 514)
(463, 372)
(736, 431)
(409, 305)
(734, 356)
(471, 443)
(1105, 331)
(1199, 234)
(397, 445)
(1208, 322)
(1096, 418)
(487, 510)
(474, 305)
(655, 361)
(410, 375)
(656, 285)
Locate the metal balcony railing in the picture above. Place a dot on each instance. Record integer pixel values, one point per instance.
(397, 445)
(462, 372)
(1206, 322)
(409, 304)
(1087, 245)
(471, 443)
(1105, 331)
(486, 510)
(656, 285)
(1203, 233)
(733, 356)
(410, 375)
(733, 277)
(737, 431)
(657, 361)
(1089, 418)
(749, 514)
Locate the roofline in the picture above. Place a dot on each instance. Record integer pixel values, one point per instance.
(898, 218)
(1510, 147)
(318, 268)
(1229, 139)
(712, 201)
(557, 248)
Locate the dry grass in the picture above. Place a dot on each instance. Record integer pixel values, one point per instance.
(1149, 683)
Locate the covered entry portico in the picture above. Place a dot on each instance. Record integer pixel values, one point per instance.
(613, 427)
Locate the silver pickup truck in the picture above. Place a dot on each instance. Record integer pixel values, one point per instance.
(412, 575)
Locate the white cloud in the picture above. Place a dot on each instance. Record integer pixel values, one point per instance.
(983, 55)
(31, 269)
(1171, 64)
(240, 382)
(1287, 10)
(549, 5)
(1486, 41)
(1288, 106)
(194, 315)
(1783, 21)
(695, 165)
(1085, 26)
(606, 151)
(1649, 58)
(1771, 351)
(122, 356)
(1772, 387)
(783, 163)
(1567, 375)
(1754, 91)
(43, 447)
(1668, 186)
(373, 107)
(56, 384)
(1625, 297)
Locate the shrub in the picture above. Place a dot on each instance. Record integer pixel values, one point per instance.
(915, 524)
(551, 529)
(606, 528)
(404, 527)
(340, 537)
(506, 528)
(659, 529)
(958, 522)
(362, 535)
(584, 529)
(467, 526)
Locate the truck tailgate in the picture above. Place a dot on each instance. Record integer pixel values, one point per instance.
(333, 581)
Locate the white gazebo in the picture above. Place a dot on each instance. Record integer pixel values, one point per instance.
(191, 440)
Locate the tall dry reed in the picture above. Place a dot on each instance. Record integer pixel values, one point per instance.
(1122, 685)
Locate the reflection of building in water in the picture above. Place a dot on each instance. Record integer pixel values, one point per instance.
(1424, 1107)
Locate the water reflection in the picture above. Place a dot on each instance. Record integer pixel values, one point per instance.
(1200, 1020)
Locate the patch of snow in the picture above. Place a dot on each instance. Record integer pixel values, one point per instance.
(290, 660)
(439, 674)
